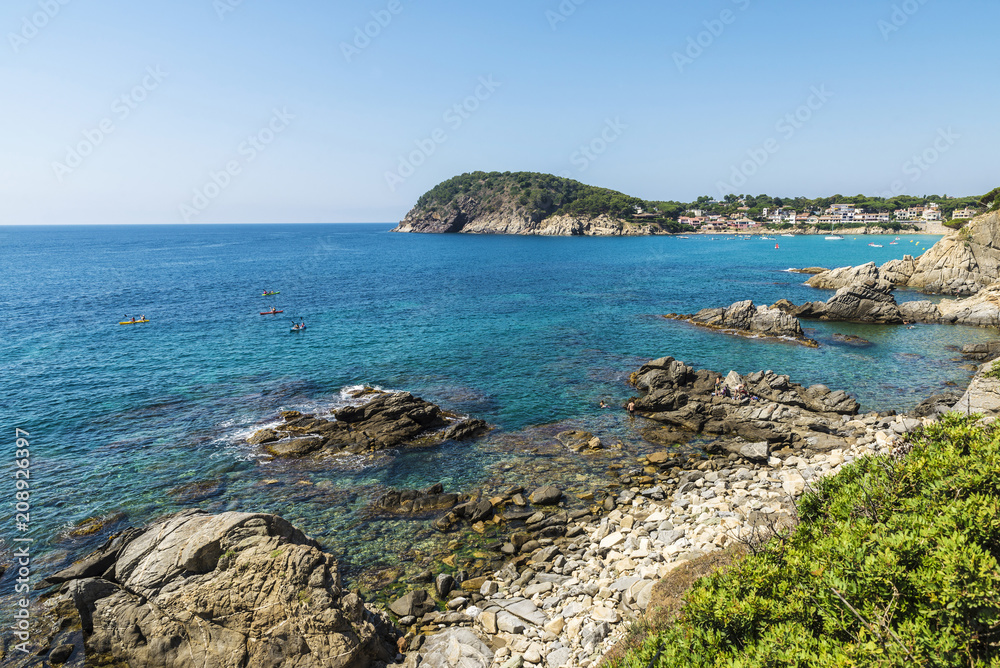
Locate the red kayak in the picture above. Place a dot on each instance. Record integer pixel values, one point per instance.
(270, 312)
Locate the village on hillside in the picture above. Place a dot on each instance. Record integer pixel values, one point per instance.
(928, 218)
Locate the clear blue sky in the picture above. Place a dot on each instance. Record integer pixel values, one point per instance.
(661, 119)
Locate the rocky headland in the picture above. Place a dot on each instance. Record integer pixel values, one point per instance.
(530, 204)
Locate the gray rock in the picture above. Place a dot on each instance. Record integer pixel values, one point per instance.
(744, 317)
(866, 300)
(453, 648)
(416, 603)
(756, 452)
(60, 654)
(509, 623)
(184, 584)
(546, 496)
(524, 609)
(558, 658)
(443, 584)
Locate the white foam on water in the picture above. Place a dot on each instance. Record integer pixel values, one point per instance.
(233, 442)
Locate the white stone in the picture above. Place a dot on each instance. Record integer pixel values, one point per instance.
(611, 540)
(556, 625)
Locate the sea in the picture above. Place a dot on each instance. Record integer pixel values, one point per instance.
(126, 423)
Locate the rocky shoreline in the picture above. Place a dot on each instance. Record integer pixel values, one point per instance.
(566, 602)
(234, 589)
(573, 580)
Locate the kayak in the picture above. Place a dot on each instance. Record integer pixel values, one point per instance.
(268, 294)
(296, 329)
(132, 322)
(270, 312)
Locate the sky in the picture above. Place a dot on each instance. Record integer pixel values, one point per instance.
(256, 111)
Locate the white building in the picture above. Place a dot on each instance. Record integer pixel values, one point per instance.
(964, 213)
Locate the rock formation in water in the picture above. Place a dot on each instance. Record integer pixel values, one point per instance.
(227, 590)
(388, 420)
(743, 318)
(531, 204)
(758, 407)
(866, 300)
(962, 263)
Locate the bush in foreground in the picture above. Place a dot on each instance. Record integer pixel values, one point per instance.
(894, 563)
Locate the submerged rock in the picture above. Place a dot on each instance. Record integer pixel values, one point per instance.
(852, 340)
(412, 501)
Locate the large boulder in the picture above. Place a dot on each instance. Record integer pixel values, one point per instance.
(920, 311)
(898, 272)
(980, 310)
(227, 590)
(454, 647)
(983, 393)
(834, 279)
(869, 300)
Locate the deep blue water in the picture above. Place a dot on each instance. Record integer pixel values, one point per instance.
(527, 333)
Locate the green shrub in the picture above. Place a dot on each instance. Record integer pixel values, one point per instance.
(894, 563)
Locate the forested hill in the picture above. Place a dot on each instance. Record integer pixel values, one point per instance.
(531, 203)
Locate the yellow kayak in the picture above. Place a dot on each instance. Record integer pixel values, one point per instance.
(132, 322)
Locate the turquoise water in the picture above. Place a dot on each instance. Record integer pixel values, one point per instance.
(527, 333)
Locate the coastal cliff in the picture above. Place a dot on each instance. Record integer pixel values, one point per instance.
(531, 204)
